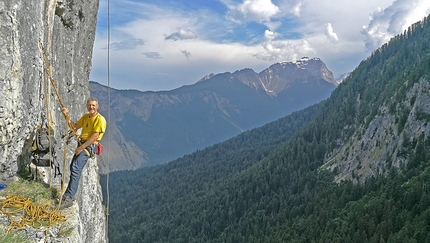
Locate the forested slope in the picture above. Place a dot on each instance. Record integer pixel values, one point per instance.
(270, 185)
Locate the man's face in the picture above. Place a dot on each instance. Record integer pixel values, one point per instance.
(92, 107)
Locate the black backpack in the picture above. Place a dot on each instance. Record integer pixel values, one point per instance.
(43, 153)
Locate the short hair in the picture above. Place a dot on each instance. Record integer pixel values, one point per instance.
(92, 99)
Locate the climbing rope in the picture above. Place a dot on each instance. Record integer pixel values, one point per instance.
(49, 125)
(22, 211)
(109, 138)
(64, 111)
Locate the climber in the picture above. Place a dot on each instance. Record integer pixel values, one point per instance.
(93, 126)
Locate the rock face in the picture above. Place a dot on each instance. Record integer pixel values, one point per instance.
(281, 77)
(368, 151)
(65, 30)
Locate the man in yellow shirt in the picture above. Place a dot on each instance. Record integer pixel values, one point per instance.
(93, 126)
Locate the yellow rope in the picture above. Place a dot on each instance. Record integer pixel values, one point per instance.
(108, 103)
(22, 212)
(51, 79)
(49, 126)
(69, 123)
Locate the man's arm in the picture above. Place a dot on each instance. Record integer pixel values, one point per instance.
(71, 123)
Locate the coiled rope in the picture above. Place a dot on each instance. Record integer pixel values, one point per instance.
(22, 211)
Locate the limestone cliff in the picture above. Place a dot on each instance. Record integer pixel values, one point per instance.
(66, 30)
(374, 147)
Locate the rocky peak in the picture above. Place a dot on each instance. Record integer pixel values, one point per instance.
(207, 77)
(281, 76)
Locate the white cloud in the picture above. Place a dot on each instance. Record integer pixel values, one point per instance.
(181, 35)
(297, 9)
(290, 8)
(282, 50)
(253, 10)
(391, 21)
(331, 35)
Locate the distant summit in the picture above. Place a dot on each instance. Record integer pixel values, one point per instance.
(284, 75)
(157, 127)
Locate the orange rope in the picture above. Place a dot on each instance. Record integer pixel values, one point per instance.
(22, 211)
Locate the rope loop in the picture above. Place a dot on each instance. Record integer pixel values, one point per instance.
(23, 212)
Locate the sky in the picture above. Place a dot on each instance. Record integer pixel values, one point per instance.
(156, 45)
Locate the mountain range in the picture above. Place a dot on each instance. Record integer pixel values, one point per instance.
(156, 127)
(352, 168)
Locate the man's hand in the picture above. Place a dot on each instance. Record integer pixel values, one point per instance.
(78, 150)
(72, 125)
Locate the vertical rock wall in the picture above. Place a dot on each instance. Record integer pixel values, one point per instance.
(66, 30)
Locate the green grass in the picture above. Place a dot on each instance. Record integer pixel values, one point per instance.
(65, 230)
(37, 192)
(14, 237)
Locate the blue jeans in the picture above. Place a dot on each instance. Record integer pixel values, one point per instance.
(78, 163)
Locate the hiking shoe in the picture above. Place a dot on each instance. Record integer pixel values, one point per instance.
(67, 202)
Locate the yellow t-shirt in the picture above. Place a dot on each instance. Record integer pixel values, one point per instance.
(92, 125)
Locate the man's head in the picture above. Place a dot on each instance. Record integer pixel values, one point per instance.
(92, 106)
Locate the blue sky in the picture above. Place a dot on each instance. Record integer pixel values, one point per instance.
(165, 44)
